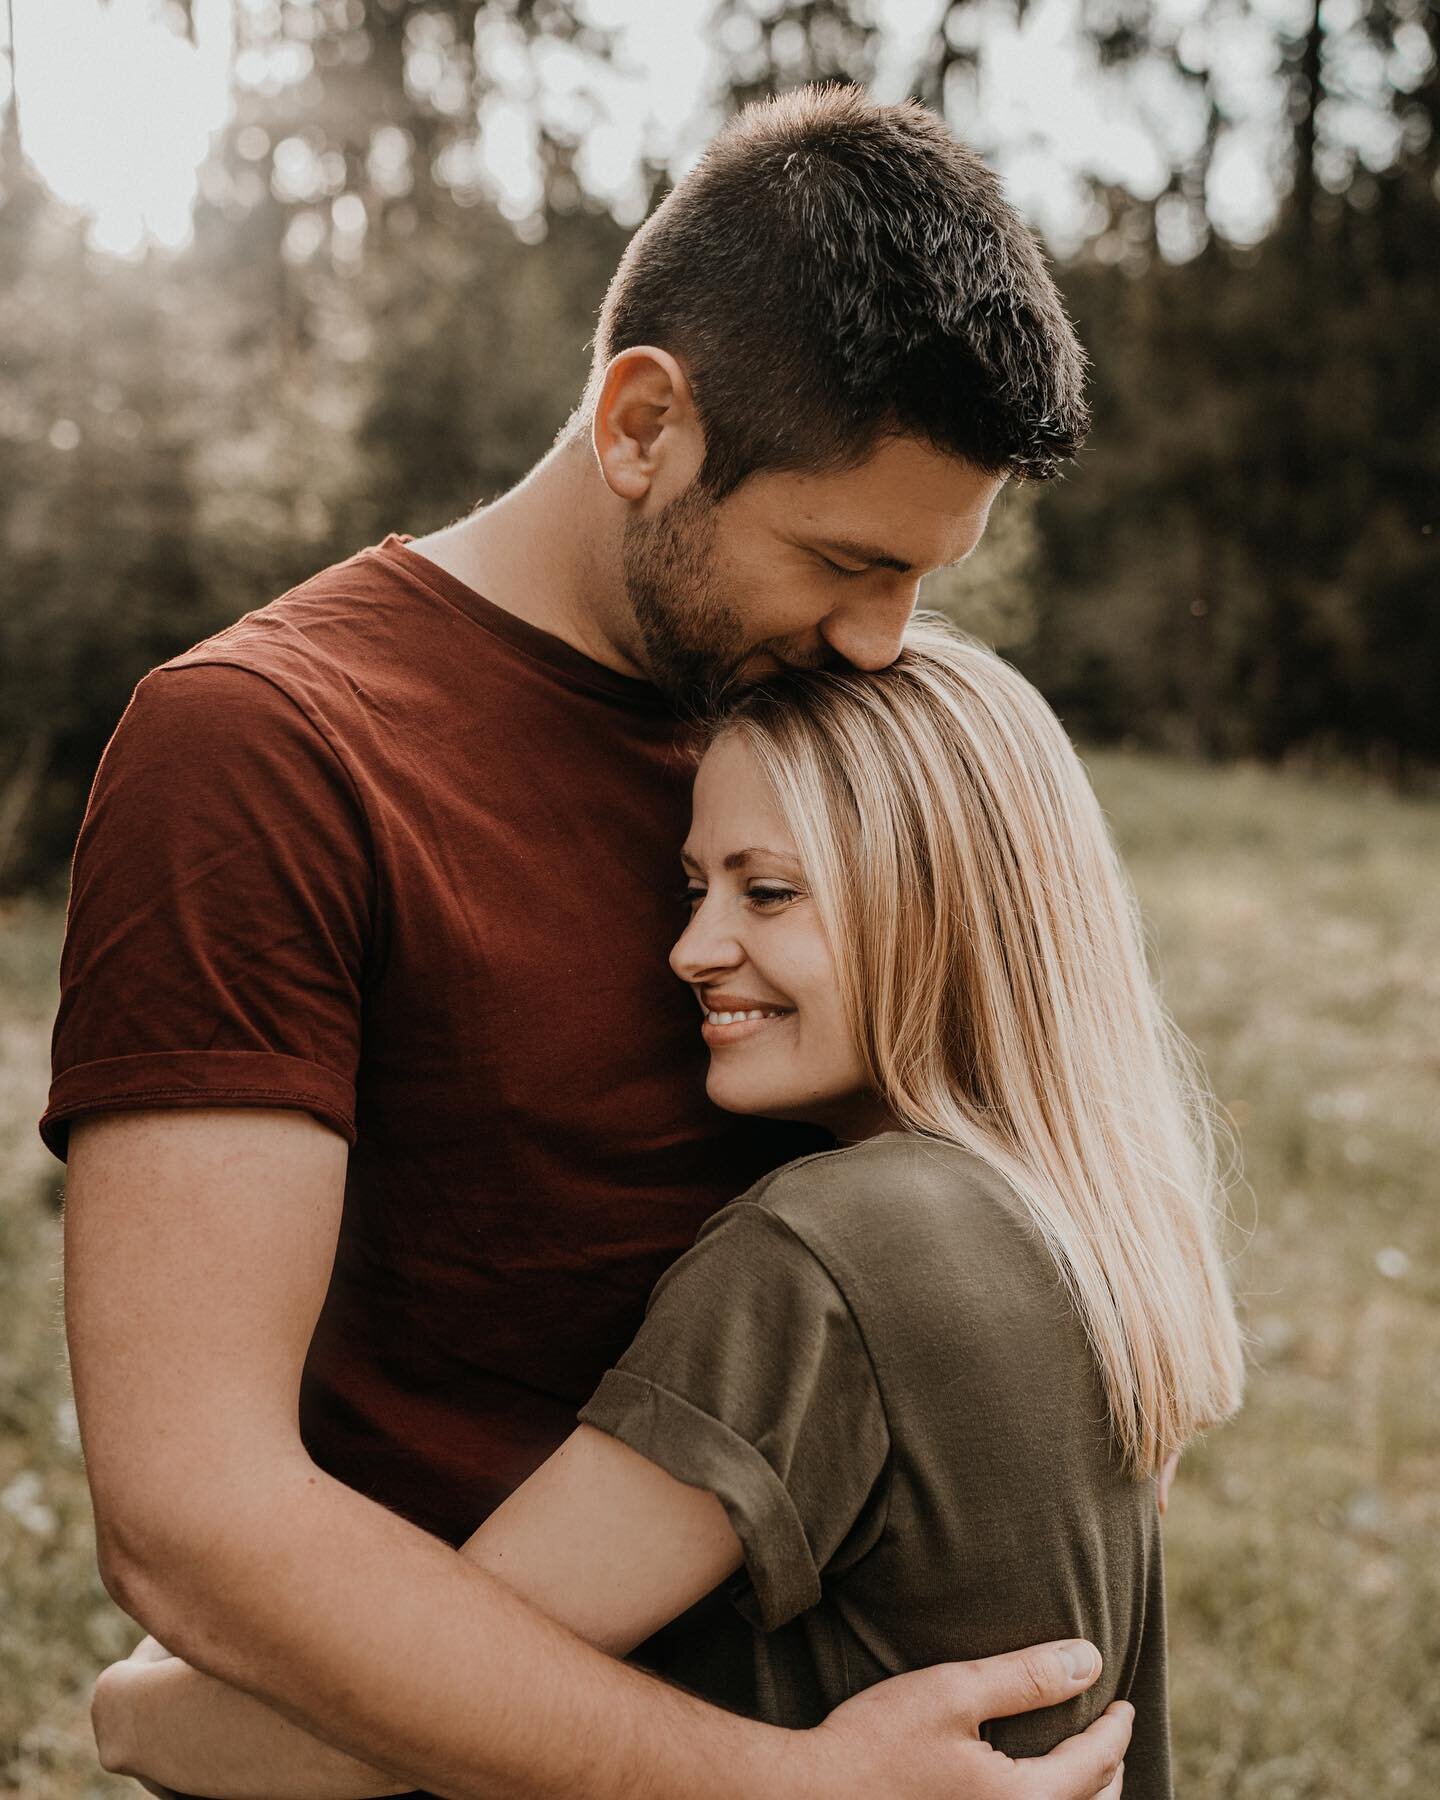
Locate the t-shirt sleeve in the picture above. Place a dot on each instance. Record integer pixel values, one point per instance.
(220, 912)
(750, 1378)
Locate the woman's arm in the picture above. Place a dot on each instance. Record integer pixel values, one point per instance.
(600, 1539)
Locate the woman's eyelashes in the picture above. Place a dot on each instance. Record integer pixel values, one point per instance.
(771, 897)
(764, 896)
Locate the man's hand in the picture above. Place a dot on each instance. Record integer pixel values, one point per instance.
(917, 1736)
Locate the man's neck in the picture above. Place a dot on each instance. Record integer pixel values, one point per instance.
(546, 552)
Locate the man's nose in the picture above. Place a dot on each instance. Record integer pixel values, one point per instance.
(868, 632)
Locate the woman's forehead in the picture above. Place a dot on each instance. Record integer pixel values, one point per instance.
(735, 808)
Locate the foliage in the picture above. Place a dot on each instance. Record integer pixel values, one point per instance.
(1243, 562)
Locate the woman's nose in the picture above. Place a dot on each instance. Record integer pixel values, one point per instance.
(705, 946)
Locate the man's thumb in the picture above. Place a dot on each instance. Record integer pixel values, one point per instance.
(1025, 1680)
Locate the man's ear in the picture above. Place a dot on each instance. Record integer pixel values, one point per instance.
(646, 432)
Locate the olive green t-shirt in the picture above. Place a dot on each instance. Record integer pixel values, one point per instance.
(871, 1360)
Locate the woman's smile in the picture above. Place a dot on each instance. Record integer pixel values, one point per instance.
(756, 957)
(730, 1018)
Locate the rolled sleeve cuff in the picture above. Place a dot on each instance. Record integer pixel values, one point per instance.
(181, 1079)
(703, 1452)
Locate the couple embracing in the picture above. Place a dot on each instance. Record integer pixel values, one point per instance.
(510, 1365)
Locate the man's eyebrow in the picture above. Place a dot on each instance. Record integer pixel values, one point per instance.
(739, 859)
(876, 558)
(867, 553)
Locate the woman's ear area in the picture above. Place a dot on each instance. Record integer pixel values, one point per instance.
(646, 432)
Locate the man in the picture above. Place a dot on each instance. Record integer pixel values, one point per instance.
(383, 1112)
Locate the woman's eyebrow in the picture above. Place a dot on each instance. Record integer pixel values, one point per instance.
(739, 859)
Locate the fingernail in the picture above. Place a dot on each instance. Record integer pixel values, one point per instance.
(1080, 1659)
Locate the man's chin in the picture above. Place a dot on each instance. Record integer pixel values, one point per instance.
(760, 663)
(757, 665)
(704, 693)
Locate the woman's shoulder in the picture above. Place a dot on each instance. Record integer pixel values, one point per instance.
(890, 1198)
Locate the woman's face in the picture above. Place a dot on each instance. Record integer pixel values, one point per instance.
(755, 946)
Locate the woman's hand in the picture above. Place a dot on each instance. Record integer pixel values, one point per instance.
(1162, 1483)
(148, 1650)
(159, 1721)
(116, 1708)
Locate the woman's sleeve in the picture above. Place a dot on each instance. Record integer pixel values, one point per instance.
(750, 1378)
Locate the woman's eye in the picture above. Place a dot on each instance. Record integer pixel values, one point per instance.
(770, 896)
(691, 896)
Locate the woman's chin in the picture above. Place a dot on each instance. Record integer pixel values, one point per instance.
(749, 1097)
(731, 1097)
(757, 1103)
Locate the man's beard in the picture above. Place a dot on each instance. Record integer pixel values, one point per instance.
(694, 640)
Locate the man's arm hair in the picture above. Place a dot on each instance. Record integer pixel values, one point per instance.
(198, 1249)
(599, 1539)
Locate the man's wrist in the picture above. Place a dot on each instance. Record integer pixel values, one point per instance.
(805, 1769)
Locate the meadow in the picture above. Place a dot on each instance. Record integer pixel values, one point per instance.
(1296, 931)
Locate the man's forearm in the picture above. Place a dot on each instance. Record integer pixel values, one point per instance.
(389, 1645)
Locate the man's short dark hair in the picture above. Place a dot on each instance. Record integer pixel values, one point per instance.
(834, 271)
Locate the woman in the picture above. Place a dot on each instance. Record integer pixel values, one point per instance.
(910, 1397)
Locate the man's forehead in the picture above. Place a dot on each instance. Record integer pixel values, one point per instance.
(908, 506)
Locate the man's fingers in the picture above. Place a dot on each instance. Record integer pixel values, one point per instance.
(1089, 1766)
(1025, 1680)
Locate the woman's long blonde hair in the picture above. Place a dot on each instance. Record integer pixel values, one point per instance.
(994, 971)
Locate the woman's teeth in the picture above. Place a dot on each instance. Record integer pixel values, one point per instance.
(733, 1018)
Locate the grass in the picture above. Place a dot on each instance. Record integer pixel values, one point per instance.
(1297, 932)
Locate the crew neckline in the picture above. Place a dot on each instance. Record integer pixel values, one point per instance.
(578, 669)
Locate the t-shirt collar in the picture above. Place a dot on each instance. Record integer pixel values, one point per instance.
(520, 634)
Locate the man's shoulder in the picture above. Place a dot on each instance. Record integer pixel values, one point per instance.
(318, 627)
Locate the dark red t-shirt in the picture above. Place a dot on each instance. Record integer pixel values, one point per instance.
(386, 853)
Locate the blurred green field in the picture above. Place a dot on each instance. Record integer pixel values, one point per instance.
(1296, 928)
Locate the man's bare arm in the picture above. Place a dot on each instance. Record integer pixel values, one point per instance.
(600, 1539)
(198, 1249)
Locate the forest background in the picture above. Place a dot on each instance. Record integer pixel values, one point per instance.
(357, 340)
(1233, 600)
